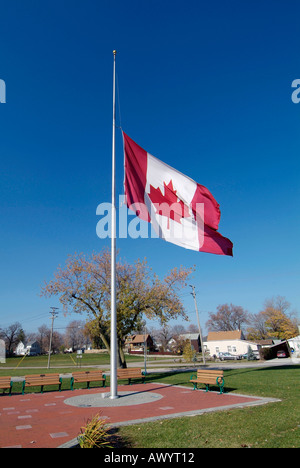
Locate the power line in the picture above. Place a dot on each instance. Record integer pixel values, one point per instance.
(28, 319)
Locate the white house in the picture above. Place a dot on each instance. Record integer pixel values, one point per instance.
(31, 349)
(232, 342)
(294, 344)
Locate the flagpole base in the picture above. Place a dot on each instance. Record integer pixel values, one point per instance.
(109, 396)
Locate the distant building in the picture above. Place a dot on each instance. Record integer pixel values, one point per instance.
(232, 342)
(294, 344)
(31, 349)
(176, 343)
(194, 339)
(137, 343)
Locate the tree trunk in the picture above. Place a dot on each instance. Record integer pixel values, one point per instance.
(121, 356)
(105, 342)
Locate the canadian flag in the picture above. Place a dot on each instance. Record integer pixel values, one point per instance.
(181, 210)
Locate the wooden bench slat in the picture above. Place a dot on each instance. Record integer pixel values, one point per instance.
(123, 372)
(87, 376)
(130, 373)
(5, 383)
(41, 380)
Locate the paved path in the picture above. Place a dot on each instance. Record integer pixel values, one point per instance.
(53, 419)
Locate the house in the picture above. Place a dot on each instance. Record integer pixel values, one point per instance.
(136, 343)
(31, 349)
(20, 349)
(177, 342)
(232, 342)
(194, 339)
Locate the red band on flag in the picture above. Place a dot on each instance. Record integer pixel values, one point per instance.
(135, 163)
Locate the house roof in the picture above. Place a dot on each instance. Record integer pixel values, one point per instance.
(29, 343)
(137, 338)
(225, 335)
(189, 336)
(268, 341)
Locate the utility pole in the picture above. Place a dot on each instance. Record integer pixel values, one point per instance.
(200, 333)
(54, 314)
(145, 348)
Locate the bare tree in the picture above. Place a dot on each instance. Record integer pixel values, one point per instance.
(43, 337)
(228, 318)
(162, 337)
(74, 337)
(12, 335)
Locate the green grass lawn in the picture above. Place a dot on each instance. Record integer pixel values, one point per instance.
(274, 425)
(17, 366)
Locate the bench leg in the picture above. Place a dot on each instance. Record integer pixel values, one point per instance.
(221, 385)
(207, 387)
(42, 388)
(72, 383)
(23, 387)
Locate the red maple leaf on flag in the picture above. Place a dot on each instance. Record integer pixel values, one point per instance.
(168, 204)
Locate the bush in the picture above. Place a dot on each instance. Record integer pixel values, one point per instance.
(94, 434)
(267, 353)
(188, 352)
(250, 354)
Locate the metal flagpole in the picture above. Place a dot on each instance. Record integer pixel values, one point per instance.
(113, 326)
(200, 333)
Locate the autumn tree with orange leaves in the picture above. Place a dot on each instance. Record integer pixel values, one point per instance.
(83, 286)
(274, 321)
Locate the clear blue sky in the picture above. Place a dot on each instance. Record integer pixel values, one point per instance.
(204, 86)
